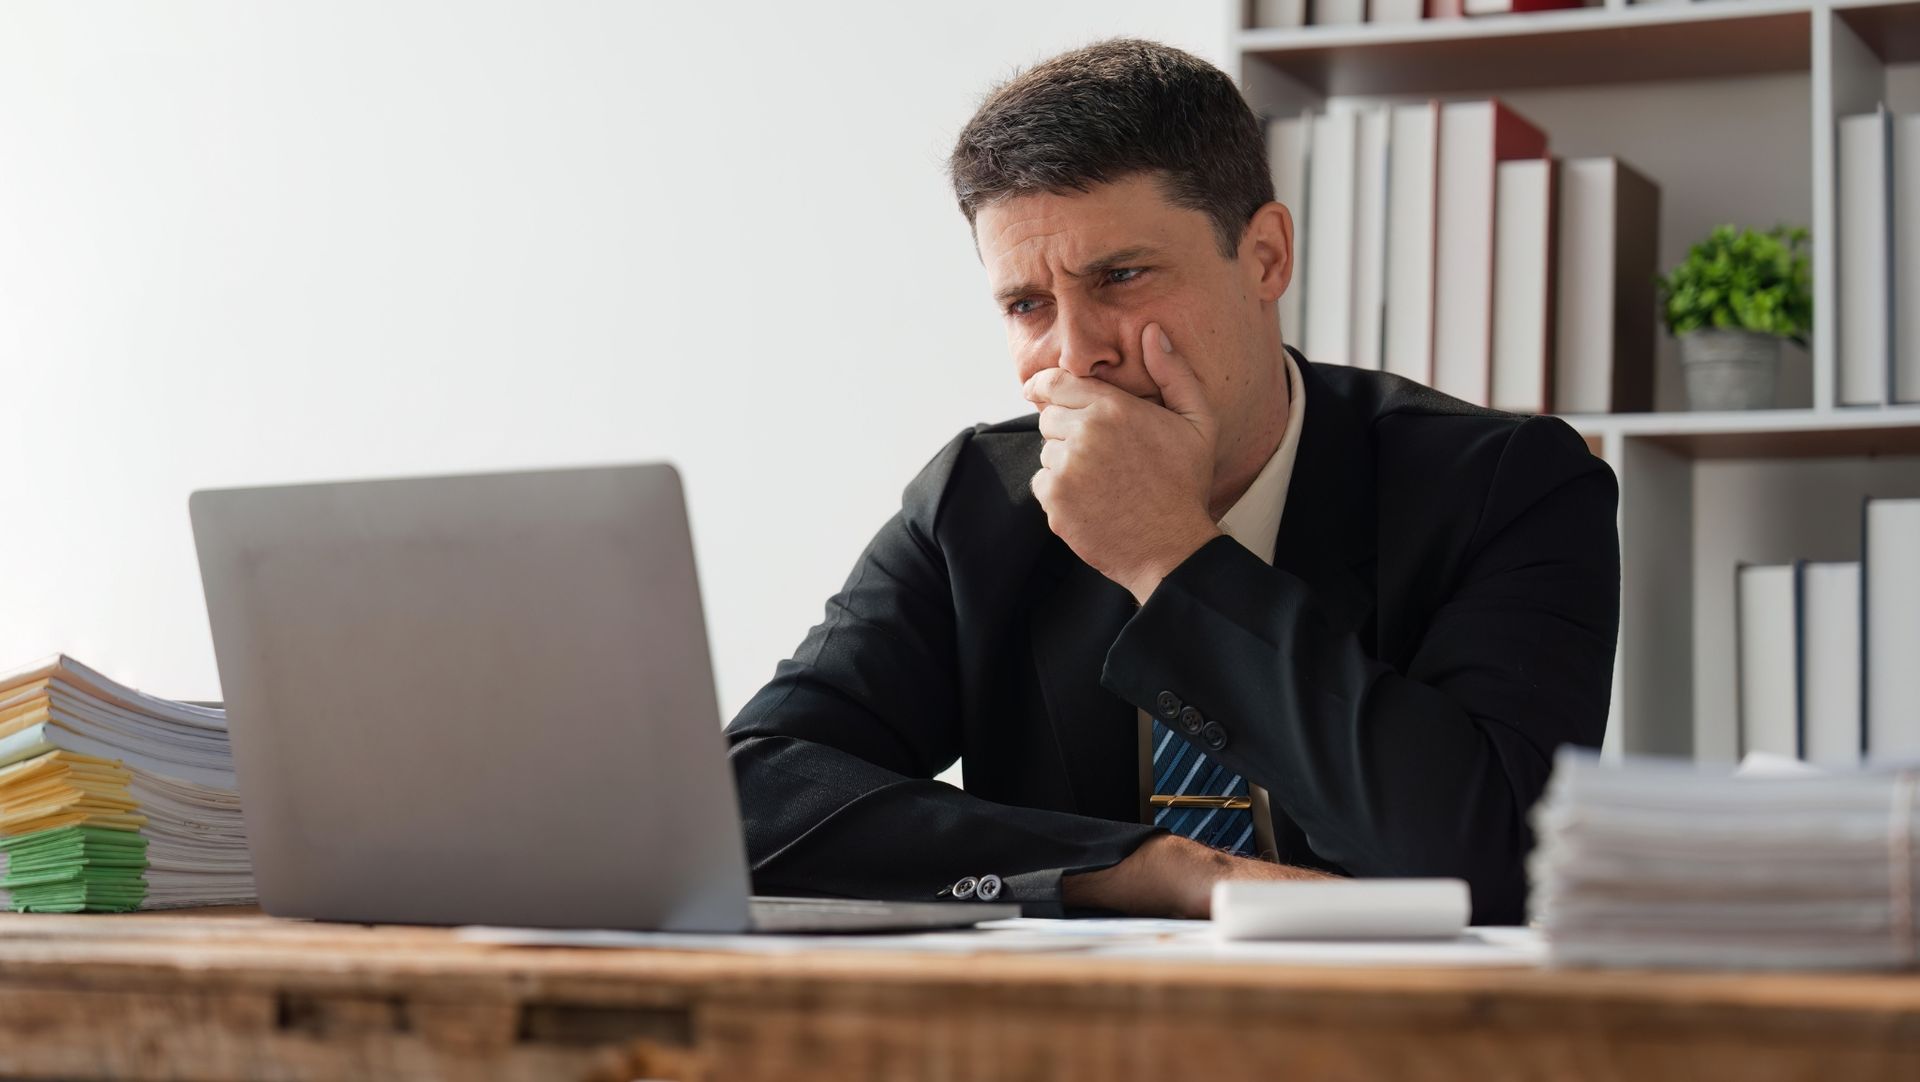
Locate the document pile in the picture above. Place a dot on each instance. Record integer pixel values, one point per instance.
(1656, 863)
(111, 799)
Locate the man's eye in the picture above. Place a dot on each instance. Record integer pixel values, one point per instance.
(1022, 306)
(1120, 275)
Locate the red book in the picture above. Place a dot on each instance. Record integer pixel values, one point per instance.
(1504, 7)
(1475, 137)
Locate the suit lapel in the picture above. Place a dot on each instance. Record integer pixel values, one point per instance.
(1327, 539)
(1077, 614)
(1327, 534)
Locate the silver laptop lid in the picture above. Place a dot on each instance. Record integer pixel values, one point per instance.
(481, 699)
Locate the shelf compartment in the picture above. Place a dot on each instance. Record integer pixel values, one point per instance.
(1891, 30)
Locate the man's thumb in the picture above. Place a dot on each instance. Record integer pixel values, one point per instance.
(1179, 387)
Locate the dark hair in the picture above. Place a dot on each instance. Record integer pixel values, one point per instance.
(1107, 112)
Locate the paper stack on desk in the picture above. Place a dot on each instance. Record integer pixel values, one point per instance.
(1664, 863)
(111, 799)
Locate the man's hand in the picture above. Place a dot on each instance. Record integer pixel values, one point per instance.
(1169, 876)
(1125, 482)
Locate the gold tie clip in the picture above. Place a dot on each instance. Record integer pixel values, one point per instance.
(1231, 803)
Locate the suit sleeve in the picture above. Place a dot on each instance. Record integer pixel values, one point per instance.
(834, 759)
(1430, 771)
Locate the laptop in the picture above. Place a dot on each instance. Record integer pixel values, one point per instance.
(487, 700)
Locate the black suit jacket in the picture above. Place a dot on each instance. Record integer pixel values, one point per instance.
(1440, 616)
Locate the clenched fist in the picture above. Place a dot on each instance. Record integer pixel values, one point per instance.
(1125, 481)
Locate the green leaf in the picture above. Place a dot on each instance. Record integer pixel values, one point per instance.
(1741, 278)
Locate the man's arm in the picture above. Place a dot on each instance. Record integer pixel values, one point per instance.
(1170, 876)
(1431, 771)
(834, 758)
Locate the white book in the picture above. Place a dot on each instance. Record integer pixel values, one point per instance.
(1523, 286)
(1412, 188)
(1339, 12)
(1330, 183)
(1890, 617)
(1289, 147)
(1396, 11)
(1474, 137)
(1829, 656)
(1769, 684)
(1279, 13)
(1906, 258)
(1370, 239)
(1864, 206)
(1608, 240)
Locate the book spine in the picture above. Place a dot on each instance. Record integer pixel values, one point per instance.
(1865, 363)
(1279, 13)
(1636, 322)
(1412, 220)
(1906, 256)
(1800, 659)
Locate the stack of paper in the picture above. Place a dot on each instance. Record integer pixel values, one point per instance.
(113, 800)
(1658, 863)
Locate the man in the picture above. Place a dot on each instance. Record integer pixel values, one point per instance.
(1213, 612)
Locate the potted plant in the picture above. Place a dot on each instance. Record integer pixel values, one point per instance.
(1733, 299)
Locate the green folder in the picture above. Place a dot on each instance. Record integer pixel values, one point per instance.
(76, 869)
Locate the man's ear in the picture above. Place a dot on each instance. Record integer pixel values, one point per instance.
(1266, 250)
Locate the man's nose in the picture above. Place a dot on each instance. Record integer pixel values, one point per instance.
(1086, 342)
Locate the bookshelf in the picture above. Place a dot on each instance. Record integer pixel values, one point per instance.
(1731, 106)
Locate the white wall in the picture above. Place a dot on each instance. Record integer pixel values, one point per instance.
(246, 242)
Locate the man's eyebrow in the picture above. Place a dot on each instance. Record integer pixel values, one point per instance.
(1101, 265)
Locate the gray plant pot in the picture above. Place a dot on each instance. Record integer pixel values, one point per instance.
(1730, 370)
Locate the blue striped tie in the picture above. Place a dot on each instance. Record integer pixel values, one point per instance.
(1180, 769)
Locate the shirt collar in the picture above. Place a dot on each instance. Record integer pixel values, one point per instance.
(1254, 519)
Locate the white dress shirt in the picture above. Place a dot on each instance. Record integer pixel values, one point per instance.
(1254, 519)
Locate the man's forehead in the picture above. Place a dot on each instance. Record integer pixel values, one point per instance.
(1037, 234)
(1096, 216)
(1052, 240)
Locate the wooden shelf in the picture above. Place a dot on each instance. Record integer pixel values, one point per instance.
(1585, 46)
(1865, 432)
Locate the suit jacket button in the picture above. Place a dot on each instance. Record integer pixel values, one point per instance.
(989, 888)
(1168, 704)
(1214, 735)
(1192, 721)
(964, 888)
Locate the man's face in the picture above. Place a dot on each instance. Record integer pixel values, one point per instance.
(1078, 277)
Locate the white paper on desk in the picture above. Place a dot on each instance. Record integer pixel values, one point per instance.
(945, 942)
(1199, 941)
(1127, 938)
(1490, 947)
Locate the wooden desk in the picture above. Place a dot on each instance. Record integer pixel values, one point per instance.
(215, 995)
